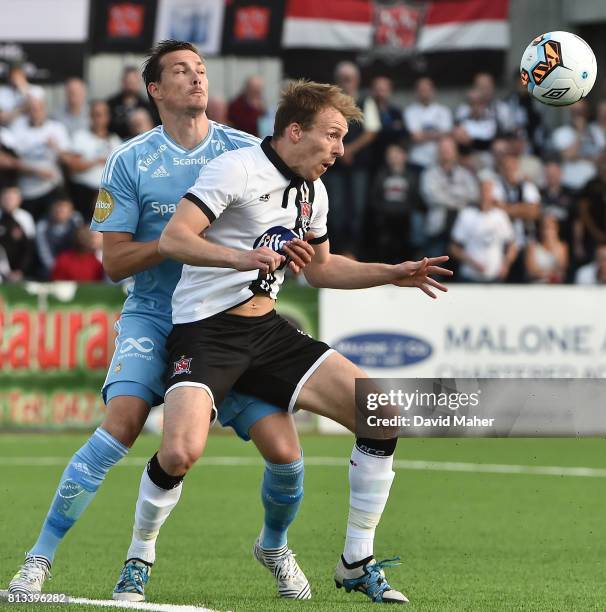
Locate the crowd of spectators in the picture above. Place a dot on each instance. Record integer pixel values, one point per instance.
(485, 181)
(51, 165)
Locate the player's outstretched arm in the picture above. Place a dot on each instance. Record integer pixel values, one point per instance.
(338, 272)
(182, 240)
(418, 274)
(123, 256)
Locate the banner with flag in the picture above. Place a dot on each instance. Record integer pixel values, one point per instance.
(468, 24)
(122, 26)
(396, 27)
(322, 24)
(449, 40)
(253, 27)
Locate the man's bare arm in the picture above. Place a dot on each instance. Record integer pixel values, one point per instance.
(123, 256)
(338, 272)
(182, 240)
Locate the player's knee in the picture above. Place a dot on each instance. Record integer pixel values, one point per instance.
(125, 418)
(179, 459)
(283, 452)
(125, 431)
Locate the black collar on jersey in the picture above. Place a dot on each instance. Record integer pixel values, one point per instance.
(278, 162)
(296, 181)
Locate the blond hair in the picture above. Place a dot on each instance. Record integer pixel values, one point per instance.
(302, 100)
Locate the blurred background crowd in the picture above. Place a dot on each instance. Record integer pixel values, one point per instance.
(484, 180)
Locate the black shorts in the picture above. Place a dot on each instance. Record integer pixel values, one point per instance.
(263, 356)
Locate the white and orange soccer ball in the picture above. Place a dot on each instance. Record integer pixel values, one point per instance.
(559, 68)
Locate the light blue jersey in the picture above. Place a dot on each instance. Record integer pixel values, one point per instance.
(142, 183)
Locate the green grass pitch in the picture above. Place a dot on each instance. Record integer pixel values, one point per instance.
(468, 541)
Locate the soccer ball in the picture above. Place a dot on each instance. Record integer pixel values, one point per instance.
(559, 68)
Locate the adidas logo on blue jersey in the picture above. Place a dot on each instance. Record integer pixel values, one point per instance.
(160, 171)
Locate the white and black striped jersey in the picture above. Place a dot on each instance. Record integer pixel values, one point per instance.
(252, 199)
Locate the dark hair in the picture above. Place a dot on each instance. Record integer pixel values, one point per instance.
(302, 100)
(152, 68)
(60, 195)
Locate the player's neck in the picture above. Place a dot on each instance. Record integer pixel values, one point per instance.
(187, 132)
(285, 154)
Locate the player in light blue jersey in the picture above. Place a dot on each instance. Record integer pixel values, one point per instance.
(142, 182)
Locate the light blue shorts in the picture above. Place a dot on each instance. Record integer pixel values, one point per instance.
(139, 362)
(138, 369)
(241, 412)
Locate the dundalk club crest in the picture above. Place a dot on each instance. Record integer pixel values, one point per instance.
(181, 366)
(305, 216)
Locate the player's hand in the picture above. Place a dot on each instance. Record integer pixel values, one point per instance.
(300, 254)
(417, 274)
(263, 259)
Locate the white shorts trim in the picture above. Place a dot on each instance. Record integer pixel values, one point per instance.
(305, 378)
(191, 383)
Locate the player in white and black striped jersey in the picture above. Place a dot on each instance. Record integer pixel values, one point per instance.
(251, 200)
(230, 230)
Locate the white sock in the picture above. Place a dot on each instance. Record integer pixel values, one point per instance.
(370, 479)
(154, 504)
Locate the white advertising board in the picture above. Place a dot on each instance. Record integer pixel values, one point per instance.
(470, 332)
(44, 20)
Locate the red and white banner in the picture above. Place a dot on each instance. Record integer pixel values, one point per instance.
(465, 24)
(397, 27)
(328, 24)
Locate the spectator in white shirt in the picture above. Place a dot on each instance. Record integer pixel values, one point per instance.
(576, 170)
(483, 240)
(580, 113)
(10, 203)
(446, 188)
(426, 121)
(14, 95)
(86, 159)
(39, 141)
(75, 115)
(547, 258)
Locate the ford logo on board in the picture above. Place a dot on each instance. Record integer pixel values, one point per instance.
(383, 350)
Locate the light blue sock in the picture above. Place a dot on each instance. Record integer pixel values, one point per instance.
(77, 487)
(282, 492)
